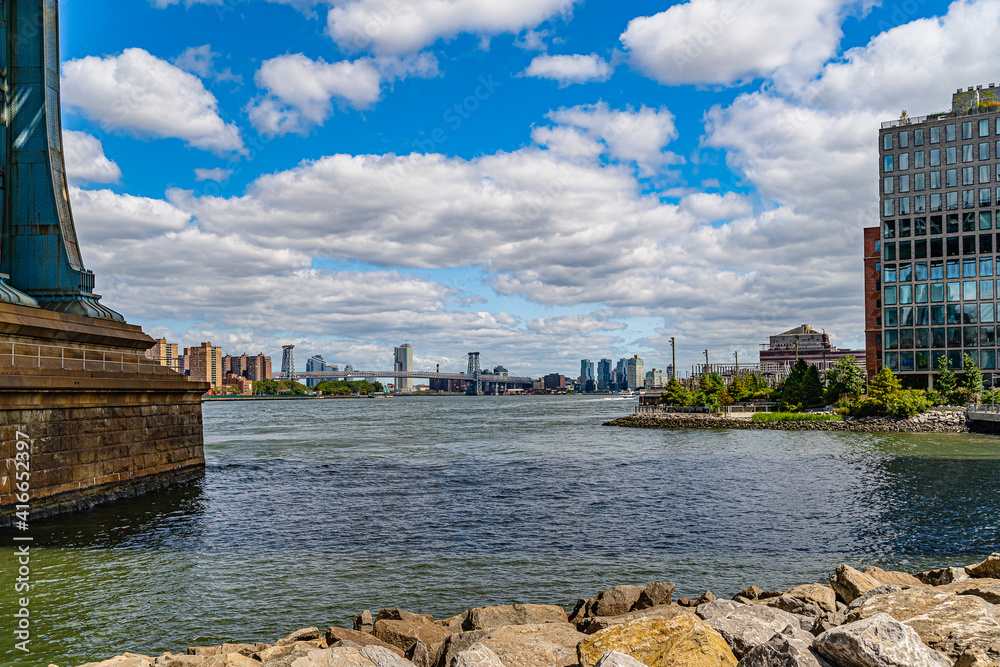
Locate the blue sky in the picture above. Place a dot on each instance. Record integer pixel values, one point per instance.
(540, 180)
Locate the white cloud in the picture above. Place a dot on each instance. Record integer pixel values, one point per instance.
(731, 41)
(219, 175)
(85, 160)
(300, 92)
(638, 136)
(398, 27)
(142, 94)
(570, 69)
(569, 325)
(200, 60)
(103, 216)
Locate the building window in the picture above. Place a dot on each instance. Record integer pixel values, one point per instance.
(949, 132)
(985, 244)
(904, 250)
(951, 201)
(889, 207)
(968, 222)
(918, 159)
(890, 252)
(968, 198)
(968, 268)
(968, 175)
(986, 317)
(969, 290)
(889, 273)
(984, 196)
(935, 137)
(919, 205)
(904, 206)
(905, 273)
(889, 229)
(937, 247)
(951, 246)
(904, 139)
(891, 358)
(888, 185)
(984, 150)
(890, 317)
(887, 141)
(951, 178)
(986, 290)
(890, 296)
(918, 137)
(967, 154)
(951, 155)
(937, 316)
(920, 181)
(919, 227)
(937, 293)
(987, 359)
(985, 263)
(906, 317)
(904, 183)
(904, 228)
(954, 291)
(920, 293)
(920, 271)
(968, 245)
(935, 157)
(904, 161)
(970, 336)
(986, 220)
(937, 270)
(952, 223)
(887, 164)
(984, 174)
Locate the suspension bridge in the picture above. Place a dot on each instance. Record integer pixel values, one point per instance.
(478, 381)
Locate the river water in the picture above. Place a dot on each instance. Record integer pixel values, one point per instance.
(311, 511)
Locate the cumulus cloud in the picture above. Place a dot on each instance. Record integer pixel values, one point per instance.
(139, 93)
(396, 27)
(300, 92)
(570, 69)
(731, 41)
(219, 175)
(200, 60)
(625, 134)
(103, 216)
(85, 160)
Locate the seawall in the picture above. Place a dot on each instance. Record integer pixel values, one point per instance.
(931, 422)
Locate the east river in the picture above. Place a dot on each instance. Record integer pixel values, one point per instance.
(311, 511)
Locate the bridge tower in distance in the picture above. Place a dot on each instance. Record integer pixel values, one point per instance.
(287, 361)
(475, 373)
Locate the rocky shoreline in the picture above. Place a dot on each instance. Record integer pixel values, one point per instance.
(937, 421)
(869, 618)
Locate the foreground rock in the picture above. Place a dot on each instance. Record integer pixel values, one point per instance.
(878, 641)
(477, 655)
(849, 584)
(788, 648)
(681, 641)
(746, 626)
(988, 569)
(543, 645)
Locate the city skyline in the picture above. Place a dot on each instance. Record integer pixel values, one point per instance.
(552, 182)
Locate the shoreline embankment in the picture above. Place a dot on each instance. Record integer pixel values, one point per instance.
(949, 617)
(936, 421)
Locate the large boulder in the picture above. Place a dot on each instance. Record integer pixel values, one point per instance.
(303, 635)
(335, 634)
(976, 658)
(623, 599)
(124, 660)
(275, 655)
(597, 623)
(987, 589)
(477, 655)
(352, 656)
(878, 590)
(821, 595)
(405, 633)
(789, 648)
(751, 625)
(655, 594)
(878, 641)
(364, 622)
(482, 618)
(794, 605)
(988, 569)
(681, 641)
(942, 576)
(545, 645)
(849, 583)
(950, 623)
(395, 614)
(618, 659)
(900, 579)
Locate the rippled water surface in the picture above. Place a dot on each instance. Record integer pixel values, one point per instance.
(311, 511)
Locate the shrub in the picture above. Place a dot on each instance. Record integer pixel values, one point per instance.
(793, 417)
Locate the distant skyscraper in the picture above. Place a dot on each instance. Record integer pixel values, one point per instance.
(315, 365)
(206, 364)
(403, 362)
(635, 374)
(587, 375)
(604, 376)
(163, 353)
(621, 375)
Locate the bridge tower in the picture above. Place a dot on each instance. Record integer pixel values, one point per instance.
(475, 386)
(287, 361)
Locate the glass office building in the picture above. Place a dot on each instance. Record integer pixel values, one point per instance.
(935, 282)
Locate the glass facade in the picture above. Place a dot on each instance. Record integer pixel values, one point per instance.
(940, 236)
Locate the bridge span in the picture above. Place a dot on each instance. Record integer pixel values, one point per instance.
(477, 380)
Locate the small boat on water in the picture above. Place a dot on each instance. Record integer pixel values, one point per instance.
(628, 394)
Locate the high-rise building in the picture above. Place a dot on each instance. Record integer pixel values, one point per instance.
(206, 364)
(315, 364)
(163, 353)
(605, 378)
(935, 293)
(588, 379)
(621, 375)
(258, 368)
(403, 362)
(635, 375)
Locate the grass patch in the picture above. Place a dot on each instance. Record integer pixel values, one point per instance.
(793, 417)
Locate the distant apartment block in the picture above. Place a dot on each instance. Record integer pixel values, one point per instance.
(805, 343)
(315, 364)
(164, 353)
(939, 189)
(635, 375)
(403, 362)
(605, 375)
(656, 379)
(206, 364)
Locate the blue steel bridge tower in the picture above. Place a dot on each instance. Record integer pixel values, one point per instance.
(40, 263)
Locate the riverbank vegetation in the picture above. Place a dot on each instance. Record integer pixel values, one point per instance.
(843, 387)
(794, 417)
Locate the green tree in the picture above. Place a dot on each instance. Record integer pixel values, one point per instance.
(946, 379)
(973, 378)
(884, 387)
(812, 387)
(676, 394)
(738, 388)
(792, 388)
(846, 377)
